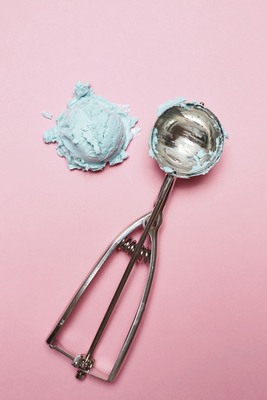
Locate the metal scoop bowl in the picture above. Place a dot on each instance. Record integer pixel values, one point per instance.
(187, 140)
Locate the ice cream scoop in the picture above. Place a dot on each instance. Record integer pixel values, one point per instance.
(186, 140)
(92, 131)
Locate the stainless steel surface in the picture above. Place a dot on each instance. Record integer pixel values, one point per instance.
(187, 140)
(80, 375)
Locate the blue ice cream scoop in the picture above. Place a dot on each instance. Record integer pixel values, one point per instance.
(92, 131)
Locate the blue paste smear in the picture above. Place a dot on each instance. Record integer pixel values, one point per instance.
(48, 116)
(92, 131)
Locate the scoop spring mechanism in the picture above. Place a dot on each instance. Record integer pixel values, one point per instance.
(128, 246)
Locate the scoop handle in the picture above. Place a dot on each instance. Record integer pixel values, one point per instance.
(158, 207)
(151, 223)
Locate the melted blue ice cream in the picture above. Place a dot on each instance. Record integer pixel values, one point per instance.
(92, 131)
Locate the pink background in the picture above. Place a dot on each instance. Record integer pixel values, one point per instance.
(204, 333)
